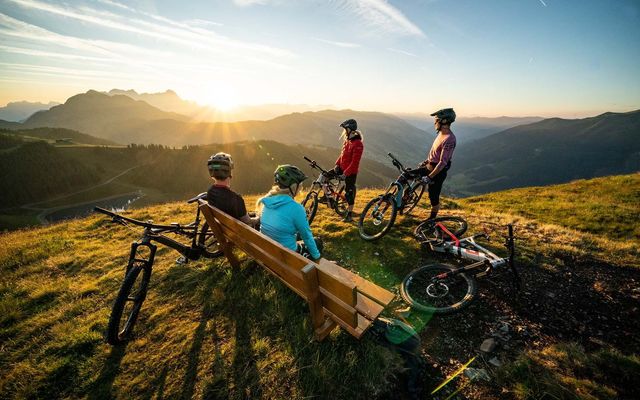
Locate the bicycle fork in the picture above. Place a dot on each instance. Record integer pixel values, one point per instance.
(140, 258)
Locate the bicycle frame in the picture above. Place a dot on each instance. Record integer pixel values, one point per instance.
(467, 248)
(323, 181)
(400, 184)
(154, 232)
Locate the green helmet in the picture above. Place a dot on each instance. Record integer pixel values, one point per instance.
(220, 165)
(446, 115)
(286, 175)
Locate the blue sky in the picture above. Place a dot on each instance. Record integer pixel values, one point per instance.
(511, 57)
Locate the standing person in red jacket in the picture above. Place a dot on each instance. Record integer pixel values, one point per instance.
(349, 161)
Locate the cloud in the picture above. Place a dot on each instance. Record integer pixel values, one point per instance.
(168, 30)
(381, 14)
(338, 44)
(406, 53)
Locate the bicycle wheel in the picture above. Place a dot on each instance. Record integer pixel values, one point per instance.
(377, 218)
(425, 291)
(127, 305)
(340, 205)
(208, 243)
(411, 200)
(310, 204)
(430, 230)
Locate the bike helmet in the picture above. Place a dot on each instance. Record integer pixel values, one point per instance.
(350, 124)
(220, 165)
(286, 175)
(446, 115)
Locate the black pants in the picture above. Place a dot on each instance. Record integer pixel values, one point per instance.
(302, 249)
(350, 189)
(436, 187)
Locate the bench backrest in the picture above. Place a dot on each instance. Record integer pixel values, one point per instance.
(332, 291)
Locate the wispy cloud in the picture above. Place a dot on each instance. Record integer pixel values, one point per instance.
(338, 44)
(381, 14)
(168, 30)
(406, 53)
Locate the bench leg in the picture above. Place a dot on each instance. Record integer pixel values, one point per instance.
(321, 325)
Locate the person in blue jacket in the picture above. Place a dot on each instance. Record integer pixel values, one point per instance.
(282, 218)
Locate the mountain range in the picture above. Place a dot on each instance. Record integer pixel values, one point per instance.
(18, 111)
(550, 151)
(469, 128)
(541, 152)
(122, 119)
(170, 101)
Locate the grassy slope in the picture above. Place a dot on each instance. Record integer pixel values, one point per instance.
(607, 206)
(206, 331)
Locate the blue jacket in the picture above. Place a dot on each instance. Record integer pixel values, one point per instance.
(282, 218)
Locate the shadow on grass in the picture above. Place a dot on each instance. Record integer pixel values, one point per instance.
(101, 388)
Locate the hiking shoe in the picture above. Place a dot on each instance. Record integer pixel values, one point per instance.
(348, 217)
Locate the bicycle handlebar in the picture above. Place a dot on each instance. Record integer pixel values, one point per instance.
(314, 164)
(397, 163)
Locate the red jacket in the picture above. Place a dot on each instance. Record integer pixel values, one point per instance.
(349, 159)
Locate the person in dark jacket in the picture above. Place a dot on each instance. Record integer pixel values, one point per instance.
(220, 194)
(349, 161)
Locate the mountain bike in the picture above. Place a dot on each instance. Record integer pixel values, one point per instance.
(444, 288)
(402, 195)
(133, 290)
(331, 187)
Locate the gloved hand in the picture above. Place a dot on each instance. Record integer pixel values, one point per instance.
(337, 170)
(427, 180)
(342, 177)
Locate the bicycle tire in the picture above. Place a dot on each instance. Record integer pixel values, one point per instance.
(364, 231)
(340, 205)
(428, 230)
(208, 243)
(312, 207)
(415, 200)
(115, 334)
(421, 292)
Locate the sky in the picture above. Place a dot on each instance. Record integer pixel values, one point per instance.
(570, 58)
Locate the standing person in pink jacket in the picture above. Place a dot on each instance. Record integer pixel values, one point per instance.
(349, 161)
(434, 168)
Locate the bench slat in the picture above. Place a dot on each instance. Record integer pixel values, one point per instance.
(371, 290)
(367, 307)
(291, 277)
(345, 312)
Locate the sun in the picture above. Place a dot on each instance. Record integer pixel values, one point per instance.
(219, 95)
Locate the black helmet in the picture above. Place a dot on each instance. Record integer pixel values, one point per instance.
(286, 175)
(220, 165)
(446, 115)
(350, 124)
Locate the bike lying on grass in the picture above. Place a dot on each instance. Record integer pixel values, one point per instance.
(332, 188)
(444, 288)
(402, 196)
(133, 290)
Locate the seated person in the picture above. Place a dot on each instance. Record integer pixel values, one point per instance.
(220, 194)
(282, 218)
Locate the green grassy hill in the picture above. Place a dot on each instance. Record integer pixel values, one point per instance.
(208, 332)
(51, 135)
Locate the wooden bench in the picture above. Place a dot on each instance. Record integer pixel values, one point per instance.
(335, 295)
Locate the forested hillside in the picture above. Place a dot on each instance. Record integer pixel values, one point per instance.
(52, 134)
(550, 151)
(36, 170)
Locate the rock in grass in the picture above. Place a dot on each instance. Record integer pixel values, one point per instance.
(488, 345)
(477, 374)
